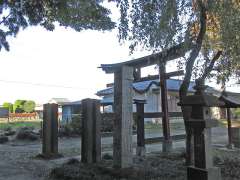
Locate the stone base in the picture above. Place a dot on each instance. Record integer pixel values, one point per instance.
(236, 144)
(140, 151)
(194, 173)
(230, 146)
(236, 136)
(124, 161)
(167, 146)
(49, 156)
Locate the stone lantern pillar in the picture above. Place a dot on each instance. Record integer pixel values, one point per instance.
(201, 124)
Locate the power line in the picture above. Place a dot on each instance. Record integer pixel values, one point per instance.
(44, 85)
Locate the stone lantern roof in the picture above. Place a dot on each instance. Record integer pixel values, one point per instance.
(201, 98)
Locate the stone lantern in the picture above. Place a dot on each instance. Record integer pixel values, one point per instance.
(201, 123)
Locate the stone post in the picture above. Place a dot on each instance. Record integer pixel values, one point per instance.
(91, 134)
(50, 130)
(123, 120)
(201, 124)
(140, 127)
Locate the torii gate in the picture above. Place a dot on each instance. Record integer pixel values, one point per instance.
(123, 79)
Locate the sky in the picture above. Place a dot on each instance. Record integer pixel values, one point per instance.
(61, 64)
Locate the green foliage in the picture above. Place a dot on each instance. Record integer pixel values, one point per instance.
(236, 113)
(76, 124)
(21, 106)
(16, 125)
(18, 106)
(83, 14)
(76, 14)
(29, 106)
(154, 25)
(228, 14)
(158, 25)
(9, 106)
(74, 127)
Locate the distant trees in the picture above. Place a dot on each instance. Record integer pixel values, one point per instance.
(29, 106)
(8, 106)
(20, 106)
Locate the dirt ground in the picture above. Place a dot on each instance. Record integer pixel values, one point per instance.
(17, 159)
(155, 166)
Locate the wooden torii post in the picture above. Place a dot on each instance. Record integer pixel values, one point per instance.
(123, 79)
(229, 125)
(163, 76)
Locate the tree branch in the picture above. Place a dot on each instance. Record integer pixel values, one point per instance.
(209, 68)
(195, 51)
(5, 18)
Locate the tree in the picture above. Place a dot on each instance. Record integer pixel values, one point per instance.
(29, 106)
(76, 14)
(8, 106)
(207, 31)
(18, 106)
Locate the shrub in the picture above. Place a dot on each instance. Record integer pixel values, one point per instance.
(72, 129)
(76, 124)
(29, 106)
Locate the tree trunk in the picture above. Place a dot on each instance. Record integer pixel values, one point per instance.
(186, 81)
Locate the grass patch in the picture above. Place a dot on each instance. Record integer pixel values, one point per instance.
(223, 123)
(152, 126)
(15, 125)
(173, 126)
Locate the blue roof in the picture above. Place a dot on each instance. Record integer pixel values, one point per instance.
(144, 86)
